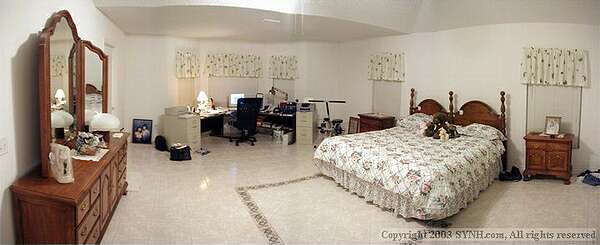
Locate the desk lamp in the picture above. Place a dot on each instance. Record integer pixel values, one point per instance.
(202, 101)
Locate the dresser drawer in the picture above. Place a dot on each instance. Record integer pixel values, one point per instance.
(95, 235)
(95, 192)
(87, 225)
(122, 181)
(558, 147)
(536, 145)
(367, 122)
(83, 207)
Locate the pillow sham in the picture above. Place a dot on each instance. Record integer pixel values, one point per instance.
(415, 121)
(481, 131)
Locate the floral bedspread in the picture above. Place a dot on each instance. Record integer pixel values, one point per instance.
(429, 179)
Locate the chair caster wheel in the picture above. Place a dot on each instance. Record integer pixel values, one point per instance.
(252, 143)
(230, 140)
(237, 144)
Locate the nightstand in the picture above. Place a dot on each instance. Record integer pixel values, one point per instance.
(548, 156)
(375, 121)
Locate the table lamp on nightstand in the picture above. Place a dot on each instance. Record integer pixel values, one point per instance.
(202, 100)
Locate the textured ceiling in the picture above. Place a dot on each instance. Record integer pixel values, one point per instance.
(332, 20)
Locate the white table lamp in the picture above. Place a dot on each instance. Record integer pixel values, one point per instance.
(202, 101)
(105, 123)
(59, 120)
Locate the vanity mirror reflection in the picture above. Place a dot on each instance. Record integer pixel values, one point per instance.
(60, 108)
(95, 76)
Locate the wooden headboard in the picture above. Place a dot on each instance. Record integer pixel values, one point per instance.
(91, 89)
(428, 106)
(471, 112)
(475, 111)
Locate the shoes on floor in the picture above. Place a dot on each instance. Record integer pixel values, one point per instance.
(513, 175)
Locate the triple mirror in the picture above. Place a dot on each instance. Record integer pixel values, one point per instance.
(67, 65)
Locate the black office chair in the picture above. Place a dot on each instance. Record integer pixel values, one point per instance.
(245, 120)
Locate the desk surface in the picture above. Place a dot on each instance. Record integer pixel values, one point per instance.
(276, 114)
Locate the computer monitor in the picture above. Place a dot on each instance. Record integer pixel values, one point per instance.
(233, 98)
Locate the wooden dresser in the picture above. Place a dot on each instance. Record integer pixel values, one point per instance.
(548, 156)
(375, 121)
(76, 213)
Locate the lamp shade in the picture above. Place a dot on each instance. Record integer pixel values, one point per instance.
(61, 119)
(60, 94)
(89, 115)
(104, 122)
(202, 97)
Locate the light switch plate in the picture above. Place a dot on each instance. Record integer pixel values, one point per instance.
(3, 146)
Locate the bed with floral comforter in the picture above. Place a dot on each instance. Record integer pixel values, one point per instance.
(415, 176)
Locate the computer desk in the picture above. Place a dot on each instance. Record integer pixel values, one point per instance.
(213, 121)
(288, 120)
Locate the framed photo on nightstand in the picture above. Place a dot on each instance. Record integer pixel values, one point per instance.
(552, 125)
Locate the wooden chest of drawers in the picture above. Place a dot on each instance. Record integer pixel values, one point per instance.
(375, 121)
(47, 212)
(548, 156)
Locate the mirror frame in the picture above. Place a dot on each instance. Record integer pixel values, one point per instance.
(44, 83)
(85, 44)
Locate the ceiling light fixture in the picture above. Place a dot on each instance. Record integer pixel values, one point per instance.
(272, 20)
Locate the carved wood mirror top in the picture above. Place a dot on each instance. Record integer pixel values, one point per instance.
(61, 111)
(95, 77)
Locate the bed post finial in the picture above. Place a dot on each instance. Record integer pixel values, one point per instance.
(412, 101)
(503, 110)
(502, 106)
(451, 107)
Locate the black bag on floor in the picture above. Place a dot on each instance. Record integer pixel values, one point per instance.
(160, 143)
(180, 153)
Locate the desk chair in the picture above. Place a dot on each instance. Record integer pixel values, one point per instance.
(245, 119)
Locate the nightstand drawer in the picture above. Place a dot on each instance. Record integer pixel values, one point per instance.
(557, 160)
(536, 145)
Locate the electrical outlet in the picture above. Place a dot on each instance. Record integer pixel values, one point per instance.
(3, 146)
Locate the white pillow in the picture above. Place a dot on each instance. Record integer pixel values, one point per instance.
(481, 131)
(415, 121)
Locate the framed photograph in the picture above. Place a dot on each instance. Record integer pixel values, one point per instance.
(552, 125)
(354, 125)
(141, 131)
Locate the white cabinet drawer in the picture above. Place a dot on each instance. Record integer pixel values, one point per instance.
(304, 119)
(304, 135)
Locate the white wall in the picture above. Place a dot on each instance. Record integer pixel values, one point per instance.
(476, 63)
(152, 85)
(20, 21)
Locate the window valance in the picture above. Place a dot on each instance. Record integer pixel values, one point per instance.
(234, 65)
(387, 67)
(555, 67)
(284, 67)
(187, 65)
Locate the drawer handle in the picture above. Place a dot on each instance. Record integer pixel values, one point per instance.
(83, 207)
(83, 232)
